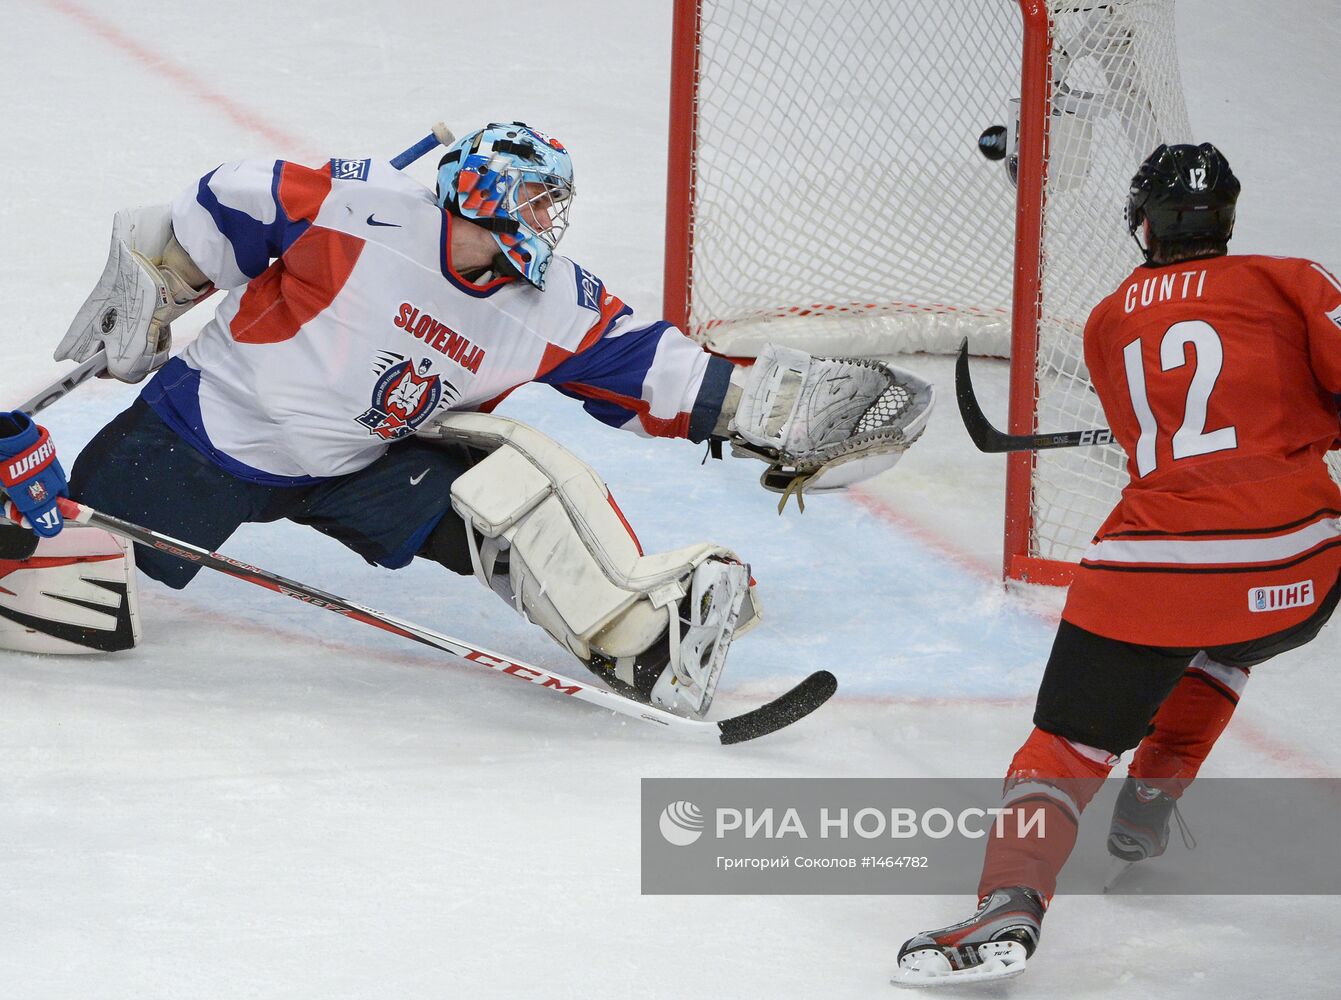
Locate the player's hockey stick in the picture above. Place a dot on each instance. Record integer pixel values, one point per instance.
(795, 704)
(96, 365)
(988, 438)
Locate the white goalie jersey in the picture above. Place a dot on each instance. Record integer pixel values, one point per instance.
(345, 328)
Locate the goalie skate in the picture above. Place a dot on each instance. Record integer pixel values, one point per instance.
(992, 944)
(681, 671)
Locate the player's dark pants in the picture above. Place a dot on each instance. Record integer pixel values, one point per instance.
(137, 468)
(1104, 693)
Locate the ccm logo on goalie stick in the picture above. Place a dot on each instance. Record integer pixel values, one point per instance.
(316, 602)
(172, 550)
(524, 672)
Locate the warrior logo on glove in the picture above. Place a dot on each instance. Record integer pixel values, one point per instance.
(30, 473)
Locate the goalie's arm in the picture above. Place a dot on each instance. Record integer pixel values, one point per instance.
(648, 378)
(221, 231)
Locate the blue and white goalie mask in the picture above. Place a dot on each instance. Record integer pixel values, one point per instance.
(515, 181)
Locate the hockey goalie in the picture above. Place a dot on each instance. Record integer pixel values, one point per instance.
(367, 329)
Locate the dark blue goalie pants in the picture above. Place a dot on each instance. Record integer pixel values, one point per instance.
(138, 469)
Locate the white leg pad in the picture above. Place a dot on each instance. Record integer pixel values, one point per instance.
(76, 594)
(574, 566)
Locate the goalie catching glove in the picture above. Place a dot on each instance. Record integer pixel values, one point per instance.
(823, 424)
(148, 282)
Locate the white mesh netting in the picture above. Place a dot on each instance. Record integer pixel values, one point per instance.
(841, 203)
(1116, 95)
(837, 177)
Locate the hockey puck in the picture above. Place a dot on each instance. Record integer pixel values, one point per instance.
(992, 143)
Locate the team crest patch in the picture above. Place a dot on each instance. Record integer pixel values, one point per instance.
(350, 170)
(404, 396)
(37, 491)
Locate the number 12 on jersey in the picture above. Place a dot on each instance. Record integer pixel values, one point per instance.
(1191, 438)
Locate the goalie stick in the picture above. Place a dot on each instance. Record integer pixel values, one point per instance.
(66, 384)
(782, 711)
(97, 365)
(989, 439)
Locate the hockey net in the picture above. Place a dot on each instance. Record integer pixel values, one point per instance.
(826, 191)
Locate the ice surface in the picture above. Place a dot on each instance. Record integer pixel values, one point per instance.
(267, 802)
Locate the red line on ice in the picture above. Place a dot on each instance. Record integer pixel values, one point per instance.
(1263, 742)
(244, 117)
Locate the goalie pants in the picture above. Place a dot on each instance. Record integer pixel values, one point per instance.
(139, 469)
(1101, 697)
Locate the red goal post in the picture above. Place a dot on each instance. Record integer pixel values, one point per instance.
(825, 190)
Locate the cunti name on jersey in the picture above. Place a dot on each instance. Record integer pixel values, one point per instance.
(1177, 285)
(439, 336)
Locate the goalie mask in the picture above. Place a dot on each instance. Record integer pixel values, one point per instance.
(516, 182)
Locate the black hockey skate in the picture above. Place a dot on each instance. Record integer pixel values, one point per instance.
(1140, 826)
(992, 944)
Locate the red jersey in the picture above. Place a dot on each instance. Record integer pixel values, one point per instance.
(1219, 378)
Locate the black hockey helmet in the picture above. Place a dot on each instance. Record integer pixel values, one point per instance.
(1186, 193)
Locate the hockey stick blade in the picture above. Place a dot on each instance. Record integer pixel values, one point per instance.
(987, 438)
(782, 711)
(797, 703)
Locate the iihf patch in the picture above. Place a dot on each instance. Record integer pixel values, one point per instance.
(350, 170)
(37, 491)
(1291, 595)
(589, 289)
(402, 399)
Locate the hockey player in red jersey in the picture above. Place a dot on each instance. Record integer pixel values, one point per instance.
(367, 328)
(1219, 376)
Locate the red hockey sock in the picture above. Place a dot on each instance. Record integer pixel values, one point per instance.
(1188, 724)
(1050, 782)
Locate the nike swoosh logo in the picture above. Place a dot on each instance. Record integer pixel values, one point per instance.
(416, 480)
(374, 222)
